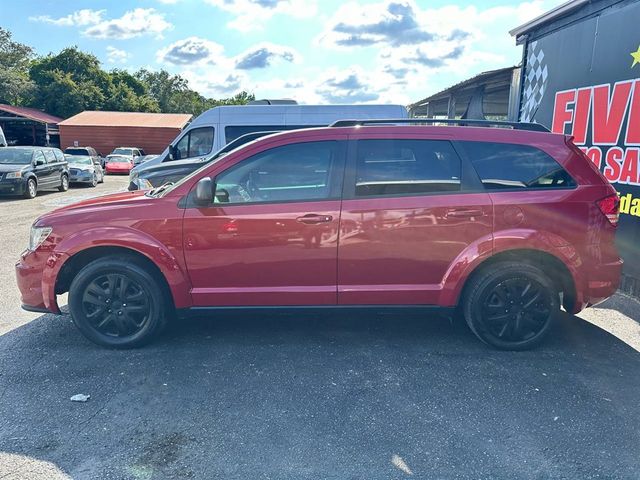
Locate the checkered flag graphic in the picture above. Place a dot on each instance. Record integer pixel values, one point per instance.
(535, 83)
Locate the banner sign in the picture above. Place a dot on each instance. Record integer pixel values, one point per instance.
(584, 80)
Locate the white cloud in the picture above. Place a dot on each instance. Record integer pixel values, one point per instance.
(263, 55)
(115, 55)
(192, 51)
(253, 14)
(134, 23)
(80, 18)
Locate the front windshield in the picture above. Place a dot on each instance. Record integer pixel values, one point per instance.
(76, 151)
(15, 157)
(118, 159)
(81, 160)
(123, 151)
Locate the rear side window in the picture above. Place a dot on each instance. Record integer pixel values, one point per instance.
(406, 167)
(59, 155)
(509, 166)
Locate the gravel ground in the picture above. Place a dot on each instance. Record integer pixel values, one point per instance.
(282, 395)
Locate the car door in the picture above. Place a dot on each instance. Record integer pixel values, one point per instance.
(411, 207)
(42, 169)
(270, 235)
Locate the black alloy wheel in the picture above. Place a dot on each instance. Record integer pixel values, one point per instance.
(511, 306)
(117, 302)
(116, 305)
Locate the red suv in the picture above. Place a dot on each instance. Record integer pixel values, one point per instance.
(506, 224)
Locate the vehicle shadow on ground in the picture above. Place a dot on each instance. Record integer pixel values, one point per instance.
(293, 395)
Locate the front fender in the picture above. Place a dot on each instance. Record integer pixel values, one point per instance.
(504, 241)
(123, 237)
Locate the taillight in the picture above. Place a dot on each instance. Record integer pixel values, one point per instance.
(610, 207)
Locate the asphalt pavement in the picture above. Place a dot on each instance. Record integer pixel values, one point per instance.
(282, 395)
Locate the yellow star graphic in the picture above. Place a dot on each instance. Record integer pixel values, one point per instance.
(636, 57)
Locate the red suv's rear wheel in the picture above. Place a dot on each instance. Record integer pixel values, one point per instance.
(116, 303)
(510, 305)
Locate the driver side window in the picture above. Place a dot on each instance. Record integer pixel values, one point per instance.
(197, 142)
(295, 172)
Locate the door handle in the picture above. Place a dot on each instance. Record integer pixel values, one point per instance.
(464, 213)
(312, 219)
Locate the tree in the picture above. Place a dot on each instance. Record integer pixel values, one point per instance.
(15, 84)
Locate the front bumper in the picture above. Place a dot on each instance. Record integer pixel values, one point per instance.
(84, 177)
(12, 186)
(117, 170)
(35, 276)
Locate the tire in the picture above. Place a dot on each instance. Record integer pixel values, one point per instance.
(31, 189)
(94, 181)
(117, 303)
(510, 306)
(64, 183)
(101, 177)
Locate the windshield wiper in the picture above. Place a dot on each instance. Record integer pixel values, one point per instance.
(159, 190)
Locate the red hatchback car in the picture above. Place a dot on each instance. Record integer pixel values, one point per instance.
(508, 225)
(118, 164)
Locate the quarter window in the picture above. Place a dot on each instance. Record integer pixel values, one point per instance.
(509, 166)
(294, 172)
(406, 167)
(197, 142)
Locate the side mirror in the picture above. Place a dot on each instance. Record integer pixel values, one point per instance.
(204, 191)
(172, 152)
(39, 162)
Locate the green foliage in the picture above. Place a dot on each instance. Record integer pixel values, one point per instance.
(15, 84)
(71, 81)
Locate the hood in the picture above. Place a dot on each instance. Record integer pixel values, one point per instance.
(12, 167)
(112, 201)
(120, 158)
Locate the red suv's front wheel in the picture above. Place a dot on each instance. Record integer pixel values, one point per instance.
(510, 305)
(116, 303)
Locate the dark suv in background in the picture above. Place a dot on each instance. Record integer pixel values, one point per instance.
(26, 170)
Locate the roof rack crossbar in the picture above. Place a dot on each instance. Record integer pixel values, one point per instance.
(462, 122)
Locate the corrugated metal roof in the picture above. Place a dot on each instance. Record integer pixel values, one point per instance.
(481, 77)
(30, 113)
(128, 119)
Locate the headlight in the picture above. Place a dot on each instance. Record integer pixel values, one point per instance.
(14, 175)
(143, 184)
(38, 235)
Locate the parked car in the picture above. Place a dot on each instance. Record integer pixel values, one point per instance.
(85, 169)
(118, 164)
(27, 170)
(85, 151)
(506, 225)
(218, 126)
(168, 172)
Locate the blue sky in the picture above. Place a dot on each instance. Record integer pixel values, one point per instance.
(314, 51)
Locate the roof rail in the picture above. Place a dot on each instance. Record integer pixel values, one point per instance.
(462, 122)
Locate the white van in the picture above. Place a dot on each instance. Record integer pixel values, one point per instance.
(216, 127)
